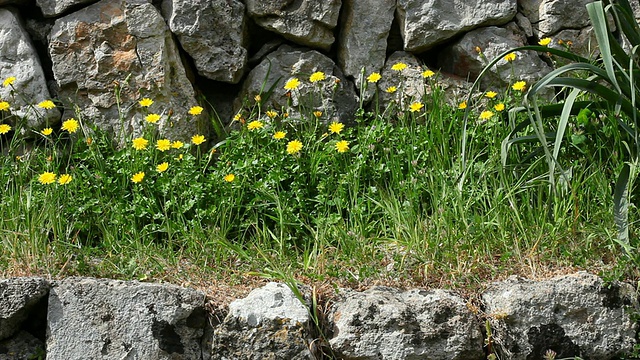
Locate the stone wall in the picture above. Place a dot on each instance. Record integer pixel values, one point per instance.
(85, 318)
(83, 52)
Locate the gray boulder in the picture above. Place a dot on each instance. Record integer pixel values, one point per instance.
(384, 323)
(53, 8)
(213, 33)
(270, 323)
(550, 16)
(22, 346)
(123, 45)
(110, 319)
(573, 315)
(19, 59)
(305, 22)
(582, 42)
(428, 23)
(18, 297)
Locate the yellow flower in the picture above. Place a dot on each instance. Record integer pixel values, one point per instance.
(4, 106)
(427, 73)
(47, 104)
(491, 94)
(391, 89)
(544, 42)
(478, 49)
(4, 128)
(64, 179)
(416, 106)
(292, 84)
(196, 110)
(399, 66)
(47, 178)
(162, 167)
(294, 147)
(317, 76)
(140, 143)
(510, 57)
(177, 144)
(9, 81)
(163, 144)
(462, 105)
(146, 102)
(374, 77)
(255, 124)
(519, 86)
(317, 113)
(137, 177)
(70, 125)
(279, 135)
(46, 131)
(197, 139)
(342, 146)
(485, 115)
(237, 117)
(499, 107)
(152, 118)
(271, 114)
(229, 177)
(336, 127)
(257, 98)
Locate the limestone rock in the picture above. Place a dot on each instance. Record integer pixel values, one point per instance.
(335, 96)
(384, 323)
(550, 16)
(461, 58)
(19, 59)
(109, 319)
(270, 323)
(213, 33)
(582, 42)
(22, 346)
(427, 23)
(573, 315)
(52, 8)
(305, 22)
(364, 30)
(18, 297)
(124, 45)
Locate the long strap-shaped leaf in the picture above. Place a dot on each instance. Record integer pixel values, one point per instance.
(599, 24)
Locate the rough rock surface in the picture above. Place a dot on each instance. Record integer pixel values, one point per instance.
(462, 58)
(17, 298)
(550, 16)
(51, 8)
(427, 23)
(335, 96)
(109, 319)
(582, 42)
(305, 22)
(22, 346)
(384, 323)
(19, 59)
(364, 30)
(573, 315)
(125, 42)
(213, 33)
(270, 323)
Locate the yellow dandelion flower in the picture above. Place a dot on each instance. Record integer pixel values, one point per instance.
(46, 131)
(391, 89)
(519, 86)
(64, 179)
(4, 128)
(4, 106)
(294, 147)
(162, 167)
(197, 139)
(146, 102)
(545, 41)
(510, 57)
(195, 110)
(138, 177)
(229, 177)
(177, 144)
(152, 118)
(478, 49)
(485, 115)
(342, 146)
(498, 107)
(237, 117)
(47, 104)
(292, 84)
(336, 127)
(140, 143)
(317, 76)
(279, 135)
(47, 178)
(70, 125)
(427, 74)
(416, 106)
(374, 77)
(9, 81)
(462, 105)
(163, 144)
(255, 124)
(271, 114)
(399, 66)
(491, 94)
(317, 113)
